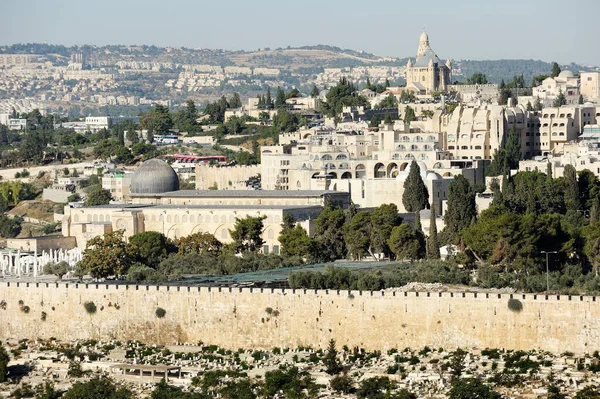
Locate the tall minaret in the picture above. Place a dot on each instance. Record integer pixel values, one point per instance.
(423, 45)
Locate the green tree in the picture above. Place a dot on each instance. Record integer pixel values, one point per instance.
(560, 99)
(314, 93)
(332, 364)
(554, 392)
(513, 149)
(537, 105)
(589, 392)
(247, 233)
(388, 102)
(383, 219)
(149, 247)
(279, 98)
(595, 210)
(329, 227)
(199, 243)
(415, 196)
(433, 246)
(158, 120)
(58, 269)
(409, 115)
(374, 388)
(471, 388)
(580, 100)
(357, 235)
(4, 359)
(461, 207)
(97, 388)
(235, 101)
(105, 256)
(555, 70)
(295, 241)
(269, 99)
(162, 390)
(477, 79)
(571, 188)
(285, 121)
(99, 196)
(406, 243)
(457, 363)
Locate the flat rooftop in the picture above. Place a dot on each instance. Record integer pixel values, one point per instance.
(243, 193)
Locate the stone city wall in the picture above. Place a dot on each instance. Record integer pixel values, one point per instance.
(264, 318)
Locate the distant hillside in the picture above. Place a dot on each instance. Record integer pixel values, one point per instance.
(496, 70)
(302, 60)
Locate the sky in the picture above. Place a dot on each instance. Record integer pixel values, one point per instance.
(548, 30)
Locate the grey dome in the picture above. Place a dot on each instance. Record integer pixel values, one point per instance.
(154, 177)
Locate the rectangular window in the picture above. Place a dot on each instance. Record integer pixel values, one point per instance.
(265, 249)
(276, 249)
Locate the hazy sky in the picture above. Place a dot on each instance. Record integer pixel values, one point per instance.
(550, 30)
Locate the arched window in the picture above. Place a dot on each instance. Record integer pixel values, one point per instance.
(224, 234)
(176, 219)
(360, 171)
(379, 171)
(478, 147)
(326, 157)
(423, 157)
(418, 139)
(341, 157)
(414, 147)
(401, 147)
(464, 136)
(437, 165)
(404, 138)
(409, 156)
(330, 166)
(343, 165)
(169, 219)
(464, 147)
(479, 136)
(346, 175)
(431, 138)
(452, 137)
(192, 219)
(427, 147)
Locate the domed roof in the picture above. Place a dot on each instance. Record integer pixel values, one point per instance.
(431, 175)
(154, 177)
(566, 74)
(424, 38)
(402, 175)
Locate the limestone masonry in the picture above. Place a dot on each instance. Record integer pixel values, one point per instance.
(266, 318)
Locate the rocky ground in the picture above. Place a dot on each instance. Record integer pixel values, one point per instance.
(427, 372)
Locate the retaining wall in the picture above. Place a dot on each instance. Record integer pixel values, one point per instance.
(266, 318)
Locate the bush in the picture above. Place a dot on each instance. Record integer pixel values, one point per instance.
(90, 307)
(160, 313)
(342, 383)
(43, 316)
(515, 305)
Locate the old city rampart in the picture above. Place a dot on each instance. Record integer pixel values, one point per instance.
(266, 318)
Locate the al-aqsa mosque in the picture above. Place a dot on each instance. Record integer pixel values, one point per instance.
(157, 204)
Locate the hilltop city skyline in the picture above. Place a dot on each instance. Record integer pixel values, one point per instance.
(469, 30)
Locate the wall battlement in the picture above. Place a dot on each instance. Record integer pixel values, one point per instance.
(266, 318)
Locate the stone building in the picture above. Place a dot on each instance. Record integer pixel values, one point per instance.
(428, 73)
(158, 205)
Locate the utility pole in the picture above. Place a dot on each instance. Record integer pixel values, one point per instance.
(547, 271)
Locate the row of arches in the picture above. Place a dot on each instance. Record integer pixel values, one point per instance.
(464, 147)
(329, 157)
(418, 139)
(414, 147)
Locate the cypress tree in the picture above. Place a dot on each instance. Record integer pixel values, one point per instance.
(415, 196)
(571, 188)
(595, 210)
(433, 247)
(461, 206)
(418, 226)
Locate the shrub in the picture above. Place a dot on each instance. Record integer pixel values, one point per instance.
(342, 383)
(90, 307)
(515, 305)
(269, 310)
(43, 316)
(160, 313)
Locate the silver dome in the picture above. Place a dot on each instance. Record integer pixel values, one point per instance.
(154, 177)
